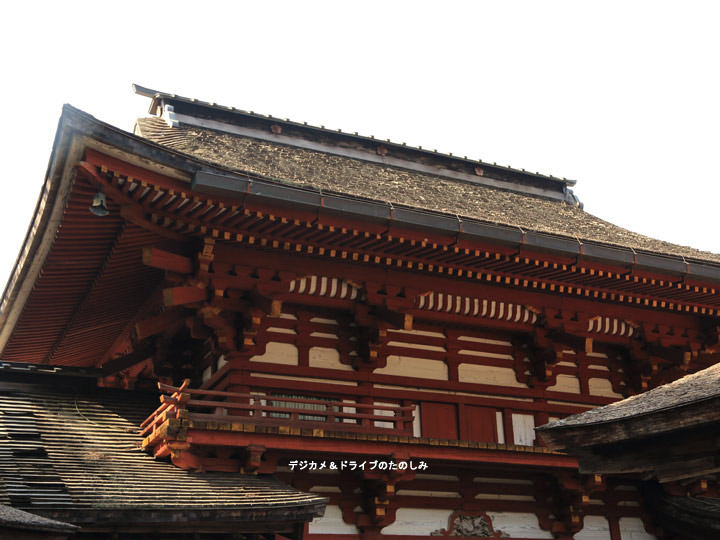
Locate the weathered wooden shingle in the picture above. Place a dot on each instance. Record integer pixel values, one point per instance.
(12, 518)
(400, 187)
(64, 451)
(691, 389)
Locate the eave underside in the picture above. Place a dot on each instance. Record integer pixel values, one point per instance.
(95, 277)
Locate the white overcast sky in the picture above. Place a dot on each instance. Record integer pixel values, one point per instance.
(621, 96)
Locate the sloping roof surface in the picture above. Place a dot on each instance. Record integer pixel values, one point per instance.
(18, 519)
(59, 450)
(690, 389)
(364, 179)
(159, 97)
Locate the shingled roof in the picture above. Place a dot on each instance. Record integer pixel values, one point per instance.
(12, 518)
(698, 387)
(515, 200)
(689, 403)
(67, 455)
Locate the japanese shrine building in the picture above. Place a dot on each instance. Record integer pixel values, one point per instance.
(379, 327)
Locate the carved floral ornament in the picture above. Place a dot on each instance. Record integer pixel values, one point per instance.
(469, 524)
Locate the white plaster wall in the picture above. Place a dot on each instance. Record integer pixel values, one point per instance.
(331, 523)
(383, 412)
(602, 387)
(594, 528)
(419, 346)
(351, 410)
(632, 528)
(324, 321)
(518, 524)
(500, 427)
(322, 357)
(278, 353)
(417, 423)
(500, 376)
(523, 429)
(207, 373)
(566, 383)
(485, 354)
(221, 362)
(281, 330)
(418, 521)
(408, 366)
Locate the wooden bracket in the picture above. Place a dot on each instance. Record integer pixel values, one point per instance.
(566, 495)
(253, 458)
(223, 326)
(541, 352)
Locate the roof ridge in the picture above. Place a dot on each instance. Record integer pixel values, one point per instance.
(156, 95)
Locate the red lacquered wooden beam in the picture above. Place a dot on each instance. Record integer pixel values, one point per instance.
(164, 260)
(376, 449)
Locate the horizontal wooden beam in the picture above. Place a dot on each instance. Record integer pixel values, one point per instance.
(377, 449)
(354, 272)
(259, 368)
(123, 362)
(180, 296)
(164, 260)
(159, 323)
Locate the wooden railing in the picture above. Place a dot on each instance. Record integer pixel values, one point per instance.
(277, 409)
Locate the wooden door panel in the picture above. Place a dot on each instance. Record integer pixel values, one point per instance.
(480, 424)
(439, 420)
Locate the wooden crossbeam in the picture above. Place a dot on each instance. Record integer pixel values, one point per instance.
(123, 362)
(180, 296)
(403, 321)
(268, 305)
(159, 323)
(164, 260)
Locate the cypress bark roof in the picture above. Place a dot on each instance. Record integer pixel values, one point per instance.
(18, 519)
(309, 168)
(691, 389)
(63, 451)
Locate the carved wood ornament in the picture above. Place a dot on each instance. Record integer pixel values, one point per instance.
(469, 524)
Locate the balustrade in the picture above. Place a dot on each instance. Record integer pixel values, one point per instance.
(278, 409)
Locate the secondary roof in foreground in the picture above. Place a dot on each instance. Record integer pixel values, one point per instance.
(74, 456)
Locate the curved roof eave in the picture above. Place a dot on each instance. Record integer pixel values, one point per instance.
(78, 130)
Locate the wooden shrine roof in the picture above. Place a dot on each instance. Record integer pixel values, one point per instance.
(489, 170)
(357, 177)
(667, 432)
(80, 282)
(691, 389)
(66, 452)
(694, 518)
(12, 518)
